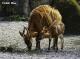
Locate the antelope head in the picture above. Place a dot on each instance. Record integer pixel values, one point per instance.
(26, 37)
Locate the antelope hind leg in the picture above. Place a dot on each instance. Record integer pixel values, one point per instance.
(49, 43)
(62, 41)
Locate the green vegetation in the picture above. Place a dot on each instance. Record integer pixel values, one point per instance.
(16, 18)
(76, 5)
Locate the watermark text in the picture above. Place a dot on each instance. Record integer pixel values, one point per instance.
(8, 3)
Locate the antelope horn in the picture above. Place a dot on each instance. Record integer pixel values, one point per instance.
(25, 28)
(21, 33)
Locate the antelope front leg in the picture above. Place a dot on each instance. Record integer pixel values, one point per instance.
(49, 43)
(62, 41)
(37, 44)
(55, 43)
(53, 47)
(38, 38)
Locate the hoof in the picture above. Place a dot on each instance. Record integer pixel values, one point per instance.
(56, 49)
(61, 48)
(48, 48)
(29, 49)
(53, 48)
(37, 49)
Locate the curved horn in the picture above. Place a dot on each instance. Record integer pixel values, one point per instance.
(21, 33)
(25, 28)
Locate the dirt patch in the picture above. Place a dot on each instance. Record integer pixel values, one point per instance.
(11, 40)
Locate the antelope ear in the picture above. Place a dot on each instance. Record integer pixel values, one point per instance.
(21, 33)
